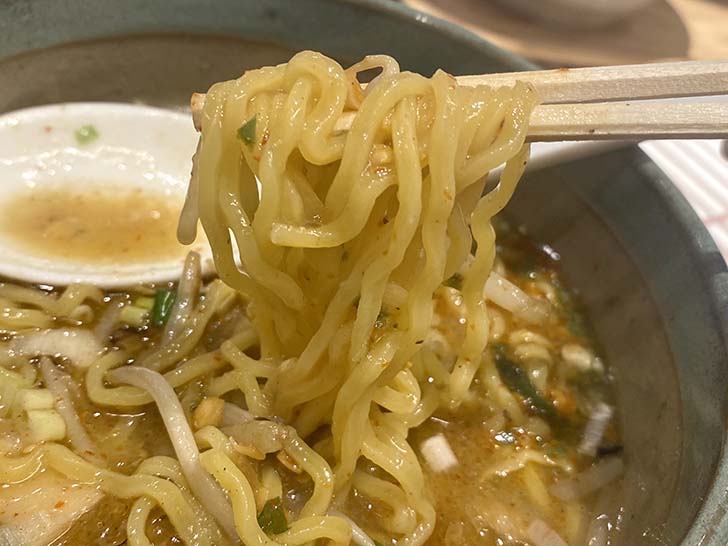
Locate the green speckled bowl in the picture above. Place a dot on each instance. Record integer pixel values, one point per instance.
(653, 281)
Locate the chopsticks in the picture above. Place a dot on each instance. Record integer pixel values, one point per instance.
(628, 121)
(561, 116)
(577, 104)
(617, 83)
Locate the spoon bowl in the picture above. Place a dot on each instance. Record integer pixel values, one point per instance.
(91, 192)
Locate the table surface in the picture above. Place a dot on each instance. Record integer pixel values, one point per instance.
(664, 30)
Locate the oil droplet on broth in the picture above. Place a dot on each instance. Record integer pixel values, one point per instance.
(93, 226)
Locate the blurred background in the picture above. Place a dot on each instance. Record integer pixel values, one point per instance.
(594, 32)
(572, 33)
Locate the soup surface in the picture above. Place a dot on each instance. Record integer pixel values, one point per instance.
(497, 460)
(93, 226)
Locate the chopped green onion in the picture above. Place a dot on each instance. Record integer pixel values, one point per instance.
(569, 307)
(163, 302)
(246, 132)
(34, 399)
(46, 425)
(517, 380)
(456, 281)
(134, 316)
(609, 449)
(86, 134)
(272, 518)
(144, 302)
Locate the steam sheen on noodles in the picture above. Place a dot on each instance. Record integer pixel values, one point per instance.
(335, 215)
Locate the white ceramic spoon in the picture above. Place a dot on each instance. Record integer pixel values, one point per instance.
(91, 192)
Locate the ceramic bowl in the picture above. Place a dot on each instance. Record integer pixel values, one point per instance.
(654, 284)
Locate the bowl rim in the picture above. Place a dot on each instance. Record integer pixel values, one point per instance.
(710, 525)
(403, 11)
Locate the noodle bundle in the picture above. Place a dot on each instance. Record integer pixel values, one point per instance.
(347, 238)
